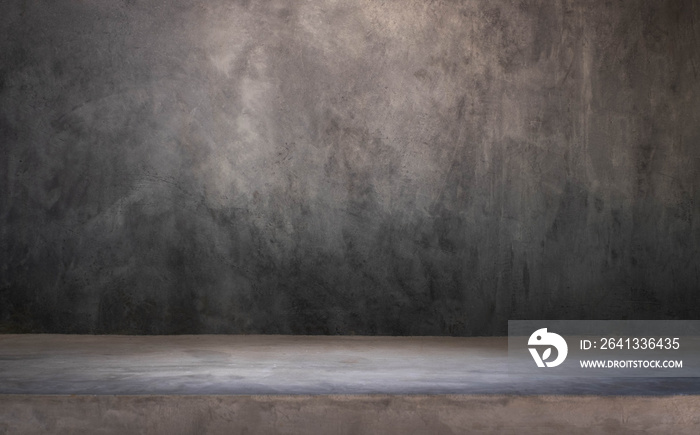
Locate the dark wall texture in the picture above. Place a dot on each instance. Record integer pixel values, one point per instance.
(346, 167)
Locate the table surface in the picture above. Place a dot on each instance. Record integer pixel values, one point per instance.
(276, 364)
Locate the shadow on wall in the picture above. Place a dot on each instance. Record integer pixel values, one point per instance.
(353, 168)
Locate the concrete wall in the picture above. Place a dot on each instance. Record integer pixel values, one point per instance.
(346, 167)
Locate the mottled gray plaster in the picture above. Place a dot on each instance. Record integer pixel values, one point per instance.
(346, 167)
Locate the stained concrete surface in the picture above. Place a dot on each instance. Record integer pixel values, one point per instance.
(346, 167)
(330, 415)
(210, 365)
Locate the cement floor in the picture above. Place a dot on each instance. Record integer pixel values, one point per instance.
(308, 365)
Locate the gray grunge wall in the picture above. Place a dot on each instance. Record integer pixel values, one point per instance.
(346, 167)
